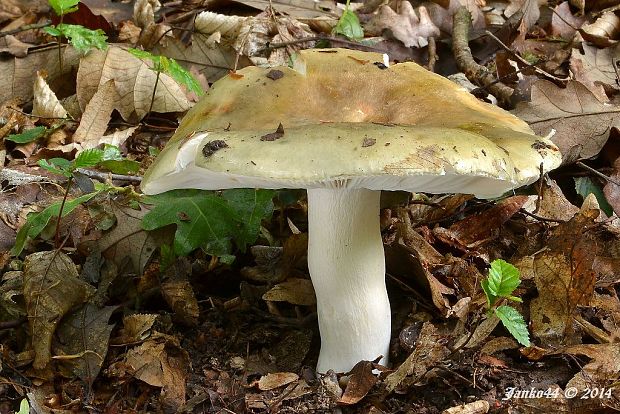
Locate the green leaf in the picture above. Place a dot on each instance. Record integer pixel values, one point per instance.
(83, 39)
(24, 407)
(88, 158)
(62, 7)
(30, 135)
(58, 166)
(252, 206)
(170, 67)
(111, 152)
(491, 298)
(36, 222)
(503, 278)
(202, 218)
(51, 30)
(349, 25)
(586, 186)
(120, 166)
(513, 321)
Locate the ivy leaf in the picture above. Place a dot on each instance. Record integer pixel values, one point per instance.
(252, 206)
(202, 219)
(30, 135)
(209, 221)
(36, 222)
(513, 321)
(62, 7)
(349, 25)
(503, 278)
(81, 38)
(88, 158)
(585, 185)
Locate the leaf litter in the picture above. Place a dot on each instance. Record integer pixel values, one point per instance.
(200, 301)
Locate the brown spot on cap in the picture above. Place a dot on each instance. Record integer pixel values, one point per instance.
(212, 146)
(275, 74)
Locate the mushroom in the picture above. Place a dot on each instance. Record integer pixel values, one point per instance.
(343, 125)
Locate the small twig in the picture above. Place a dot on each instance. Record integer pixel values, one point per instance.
(600, 174)
(476, 73)
(12, 323)
(103, 176)
(25, 27)
(523, 61)
(432, 54)
(540, 218)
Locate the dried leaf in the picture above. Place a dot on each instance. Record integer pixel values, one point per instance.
(581, 121)
(275, 380)
(294, 291)
(405, 25)
(11, 45)
(599, 64)
(361, 380)
(604, 31)
(51, 289)
(564, 23)
(134, 82)
(118, 138)
(612, 190)
(298, 9)
(46, 104)
(96, 116)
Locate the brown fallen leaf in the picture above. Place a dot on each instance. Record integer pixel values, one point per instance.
(611, 189)
(564, 23)
(51, 289)
(582, 122)
(134, 82)
(361, 380)
(599, 64)
(96, 116)
(45, 103)
(136, 328)
(604, 31)
(179, 294)
(276, 380)
(295, 291)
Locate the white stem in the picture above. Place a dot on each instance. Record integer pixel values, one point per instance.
(347, 267)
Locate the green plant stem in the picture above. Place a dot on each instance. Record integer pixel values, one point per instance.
(62, 206)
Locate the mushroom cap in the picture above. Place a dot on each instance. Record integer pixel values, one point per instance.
(349, 121)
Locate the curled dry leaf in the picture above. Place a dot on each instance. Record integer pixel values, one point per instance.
(51, 289)
(564, 278)
(117, 138)
(275, 380)
(599, 64)
(136, 328)
(582, 122)
(528, 12)
(604, 31)
(45, 103)
(144, 12)
(411, 28)
(134, 82)
(361, 380)
(294, 291)
(11, 45)
(429, 351)
(96, 116)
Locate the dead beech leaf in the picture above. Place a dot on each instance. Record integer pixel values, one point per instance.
(276, 380)
(411, 28)
(564, 278)
(528, 12)
(161, 362)
(582, 122)
(144, 12)
(83, 344)
(16, 74)
(134, 82)
(179, 294)
(45, 103)
(428, 351)
(612, 190)
(564, 23)
(361, 380)
(295, 291)
(117, 138)
(136, 328)
(11, 45)
(96, 116)
(604, 31)
(598, 63)
(297, 9)
(552, 204)
(603, 368)
(51, 289)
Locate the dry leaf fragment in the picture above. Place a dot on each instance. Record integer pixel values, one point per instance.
(361, 380)
(604, 31)
(405, 25)
(275, 380)
(295, 291)
(96, 116)
(564, 23)
(11, 45)
(599, 64)
(117, 138)
(46, 104)
(51, 289)
(582, 122)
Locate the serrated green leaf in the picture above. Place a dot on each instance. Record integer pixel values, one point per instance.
(514, 322)
(141, 54)
(120, 166)
(83, 39)
(503, 278)
(202, 218)
(111, 152)
(24, 407)
(252, 206)
(52, 31)
(349, 25)
(586, 186)
(88, 158)
(62, 7)
(491, 298)
(30, 135)
(58, 166)
(36, 222)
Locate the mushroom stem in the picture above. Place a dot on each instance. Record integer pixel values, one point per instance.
(347, 267)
